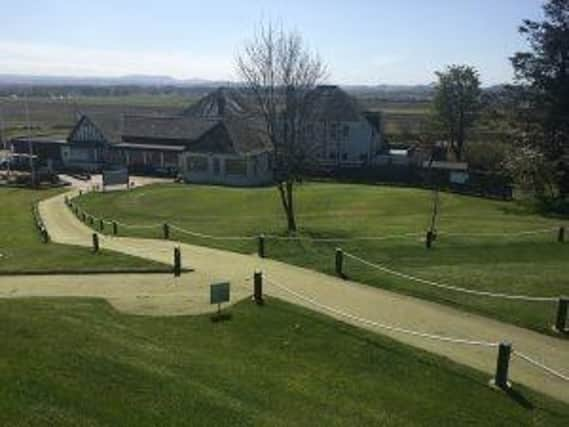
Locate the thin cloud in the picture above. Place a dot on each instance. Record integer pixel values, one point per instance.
(45, 59)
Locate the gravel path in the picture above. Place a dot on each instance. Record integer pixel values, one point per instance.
(164, 295)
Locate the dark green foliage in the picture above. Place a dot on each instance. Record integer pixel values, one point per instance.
(456, 104)
(544, 73)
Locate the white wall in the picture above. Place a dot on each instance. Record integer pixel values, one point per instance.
(256, 172)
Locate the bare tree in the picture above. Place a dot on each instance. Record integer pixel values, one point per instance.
(278, 71)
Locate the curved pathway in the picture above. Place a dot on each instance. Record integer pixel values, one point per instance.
(165, 295)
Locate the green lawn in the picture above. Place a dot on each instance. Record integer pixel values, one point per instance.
(21, 248)
(534, 265)
(78, 362)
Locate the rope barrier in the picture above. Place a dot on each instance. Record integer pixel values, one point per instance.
(452, 340)
(391, 328)
(449, 287)
(321, 239)
(140, 226)
(342, 239)
(512, 234)
(208, 236)
(537, 364)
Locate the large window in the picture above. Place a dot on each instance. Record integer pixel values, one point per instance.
(197, 164)
(236, 167)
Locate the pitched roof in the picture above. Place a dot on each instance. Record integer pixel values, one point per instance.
(220, 103)
(170, 128)
(233, 136)
(109, 124)
(331, 103)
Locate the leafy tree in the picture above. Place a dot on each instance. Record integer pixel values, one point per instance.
(456, 104)
(543, 71)
(279, 71)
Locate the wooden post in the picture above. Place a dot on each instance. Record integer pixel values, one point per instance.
(95, 242)
(166, 229)
(429, 239)
(115, 228)
(503, 366)
(339, 262)
(84, 216)
(66, 201)
(258, 287)
(44, 235)
(91, 220)
(177, 262)
(101, 225)
(562, 312)
(261, 248)
(561, 235)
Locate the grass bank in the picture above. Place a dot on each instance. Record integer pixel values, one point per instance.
(475, 255)
(21, 249)
(79, 362)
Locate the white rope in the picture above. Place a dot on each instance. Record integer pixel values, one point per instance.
(209, 236)
(537, 364)
(512, 234)
(449, 287)
(382, 325)
(342, 239)
(147, 226)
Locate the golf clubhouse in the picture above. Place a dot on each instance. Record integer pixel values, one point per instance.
(218, 140)
(215, 149)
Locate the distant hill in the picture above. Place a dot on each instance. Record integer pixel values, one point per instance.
(41, 86)
(132, 80)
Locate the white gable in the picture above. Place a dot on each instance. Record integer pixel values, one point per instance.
(87, 131)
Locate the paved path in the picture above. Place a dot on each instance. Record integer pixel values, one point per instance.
(367, 302)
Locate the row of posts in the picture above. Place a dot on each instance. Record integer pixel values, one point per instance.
(430, 238)
(563, 303)
(39, 224)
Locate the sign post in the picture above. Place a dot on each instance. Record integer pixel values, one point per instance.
(218, 294)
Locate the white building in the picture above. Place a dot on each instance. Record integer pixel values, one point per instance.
(345, 135)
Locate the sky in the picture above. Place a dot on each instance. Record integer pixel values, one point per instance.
(362, 41)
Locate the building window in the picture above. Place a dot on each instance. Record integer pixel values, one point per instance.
(345, 156)
(197, 164)
(332, 155)
(236, 167)
(346, 132)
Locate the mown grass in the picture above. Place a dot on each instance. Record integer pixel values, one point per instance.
(534, 265)
(78, 362)
(21, 248)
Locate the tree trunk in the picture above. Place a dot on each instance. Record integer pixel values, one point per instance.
(460, 138)
(286, 190)
(290, 214)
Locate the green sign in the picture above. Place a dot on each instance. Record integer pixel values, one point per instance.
(219, 292)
